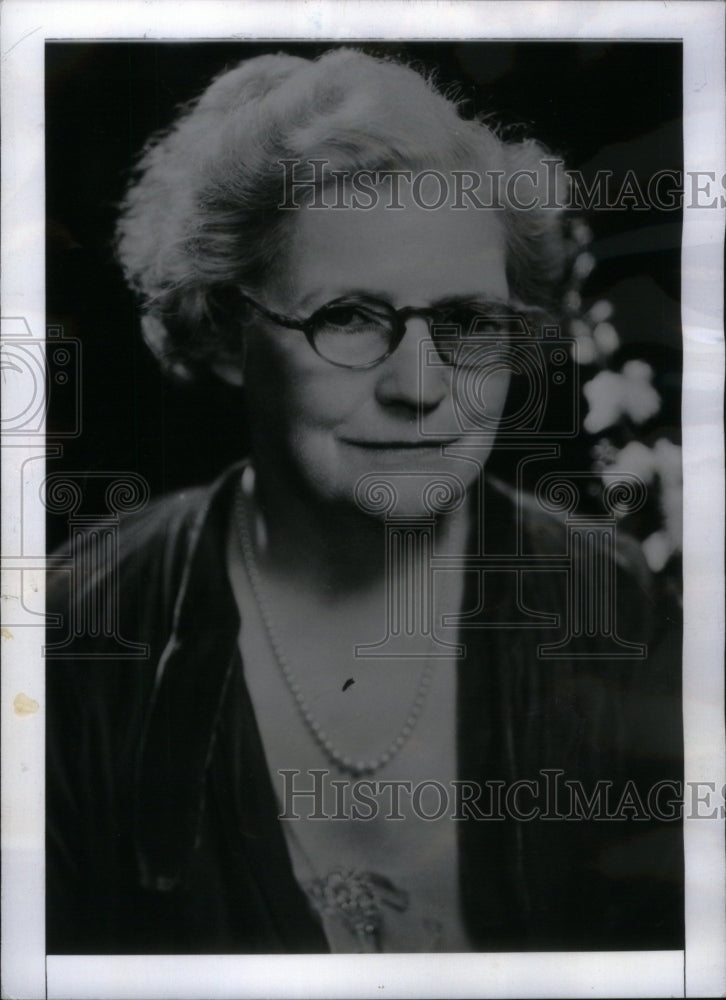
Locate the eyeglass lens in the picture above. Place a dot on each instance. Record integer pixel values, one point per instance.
(358, 334)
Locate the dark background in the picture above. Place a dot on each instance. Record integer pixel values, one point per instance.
(614, 106)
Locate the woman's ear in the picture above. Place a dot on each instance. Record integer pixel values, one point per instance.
(232, 368)
(231, 373)
(227, 312)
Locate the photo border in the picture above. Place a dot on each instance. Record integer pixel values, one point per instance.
(698, 971)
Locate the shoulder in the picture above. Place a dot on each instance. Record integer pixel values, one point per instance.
(612, 647)
(131, 570)
(546, 530)
(166, 520)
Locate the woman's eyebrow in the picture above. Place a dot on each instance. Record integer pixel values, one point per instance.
(325, 296)
(478, 298)
(510, 305)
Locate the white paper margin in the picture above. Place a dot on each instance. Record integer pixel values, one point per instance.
(24, 26)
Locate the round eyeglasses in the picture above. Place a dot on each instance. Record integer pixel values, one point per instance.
(359, 332)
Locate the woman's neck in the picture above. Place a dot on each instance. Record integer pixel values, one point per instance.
(335, 549)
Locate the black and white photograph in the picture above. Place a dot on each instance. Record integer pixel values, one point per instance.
(361, 437)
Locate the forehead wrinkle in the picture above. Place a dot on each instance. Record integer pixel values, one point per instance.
(322, 297)
(409, 257)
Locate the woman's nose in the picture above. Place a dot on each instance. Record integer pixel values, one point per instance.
(414, 375)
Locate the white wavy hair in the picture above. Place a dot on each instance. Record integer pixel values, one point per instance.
(201, 213)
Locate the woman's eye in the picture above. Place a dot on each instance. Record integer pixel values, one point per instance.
(490, 325)
(349, 317)
(343, 316)
(471, 321)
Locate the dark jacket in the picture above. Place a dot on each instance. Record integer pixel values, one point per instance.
(162, 829)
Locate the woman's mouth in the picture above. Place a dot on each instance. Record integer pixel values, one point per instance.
(399, 445)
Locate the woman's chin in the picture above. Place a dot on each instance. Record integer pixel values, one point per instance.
(385, 482)
(393, 493)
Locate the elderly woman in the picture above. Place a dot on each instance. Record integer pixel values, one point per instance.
(318, 752)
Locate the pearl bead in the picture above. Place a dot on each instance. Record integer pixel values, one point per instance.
(344, 763)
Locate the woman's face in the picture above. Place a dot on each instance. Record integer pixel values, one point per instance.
(324, 427)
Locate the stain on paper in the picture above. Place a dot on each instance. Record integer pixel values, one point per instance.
(24, 705)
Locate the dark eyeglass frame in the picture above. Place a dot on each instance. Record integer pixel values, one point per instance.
(397, 317)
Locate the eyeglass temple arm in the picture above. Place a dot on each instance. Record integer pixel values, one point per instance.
(288, 321)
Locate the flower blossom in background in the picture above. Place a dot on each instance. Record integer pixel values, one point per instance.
(595, 338)
(657, 466)
(618, 402)
(662, 544)
(612, 395)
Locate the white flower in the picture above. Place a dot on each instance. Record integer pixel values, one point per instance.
(670, 473)
(579, 329)
(636, 458)
(657, 550)
(584, 351)
(600, 311)
(638, 370)
(669, 459)
(611, 395)
(661, 464)
(604, 395)
(572, 301)
(641, 400)
(606, 338)
(604, 454)
(584, 265)
(581, 232)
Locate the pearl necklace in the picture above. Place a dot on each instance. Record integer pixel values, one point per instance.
(342, 762)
